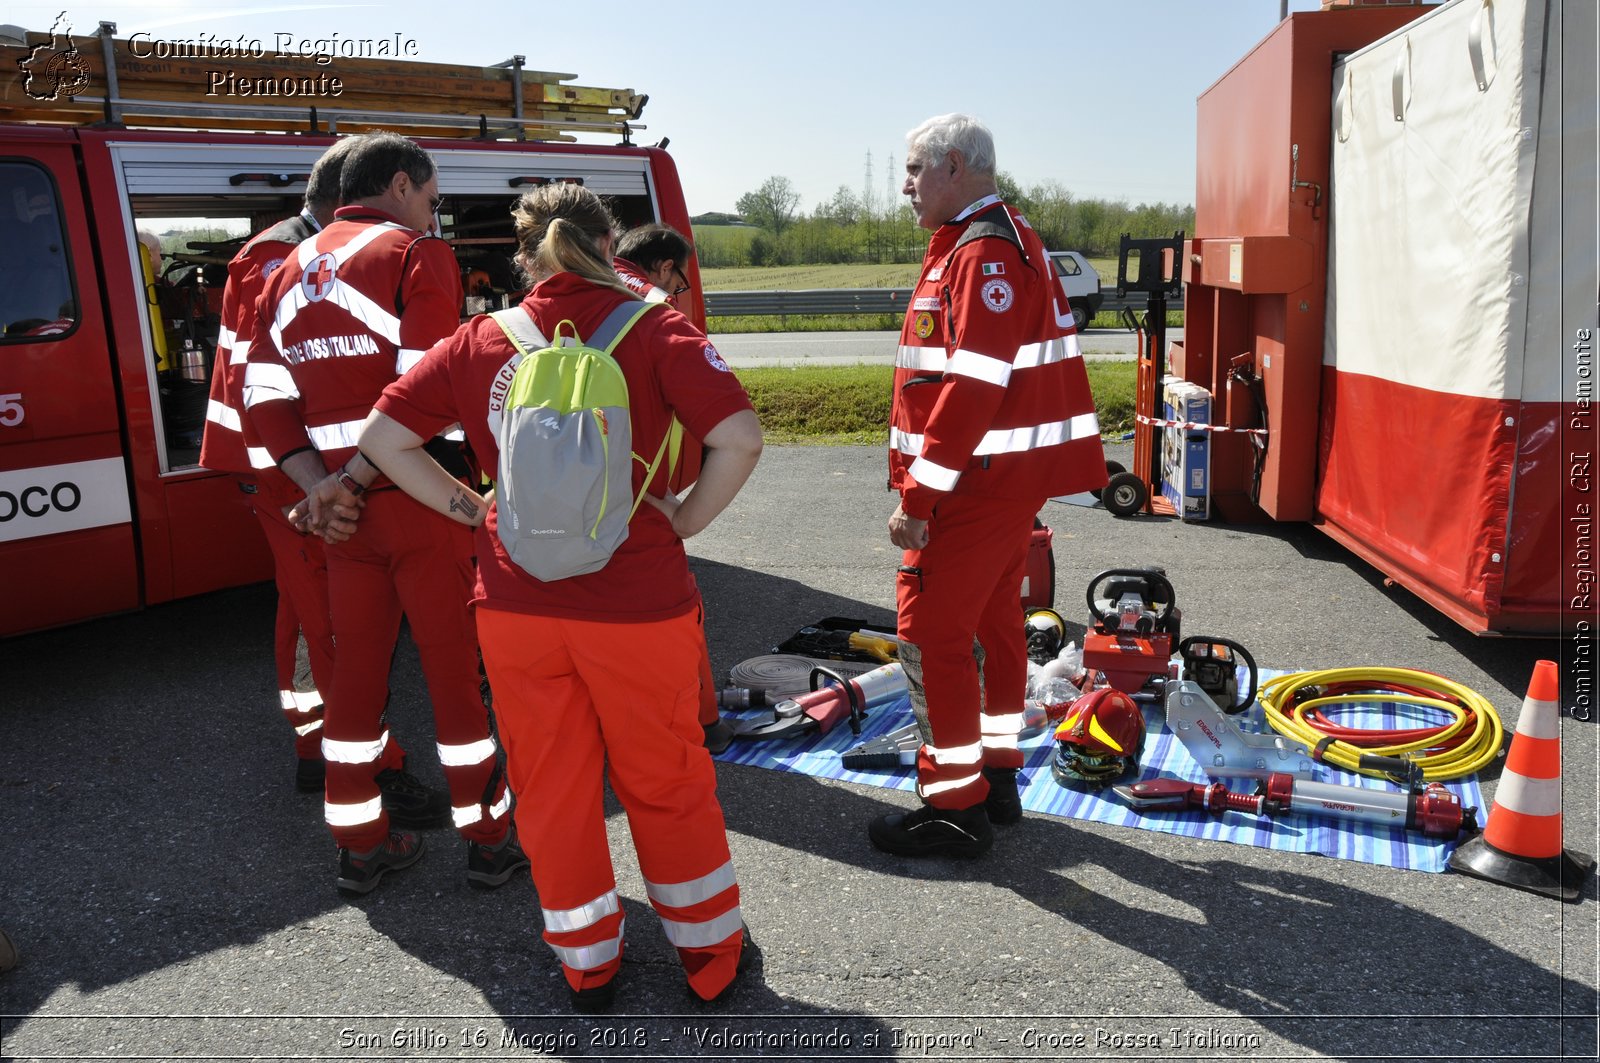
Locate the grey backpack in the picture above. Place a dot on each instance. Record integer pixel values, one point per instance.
(565, 479)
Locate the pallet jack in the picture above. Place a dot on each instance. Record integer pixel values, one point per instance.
(1156, 271)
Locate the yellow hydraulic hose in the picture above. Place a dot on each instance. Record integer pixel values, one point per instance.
(1480, 732)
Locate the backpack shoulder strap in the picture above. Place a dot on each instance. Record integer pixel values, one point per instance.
(519, 328)
(618, 322)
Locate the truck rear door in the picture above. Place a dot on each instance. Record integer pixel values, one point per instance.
(67, 541)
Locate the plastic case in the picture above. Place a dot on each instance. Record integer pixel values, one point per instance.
(1186, 452)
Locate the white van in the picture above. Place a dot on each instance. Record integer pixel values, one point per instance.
(1080, 283)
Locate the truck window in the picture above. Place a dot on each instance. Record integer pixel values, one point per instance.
(1067, 266)
(36, 297)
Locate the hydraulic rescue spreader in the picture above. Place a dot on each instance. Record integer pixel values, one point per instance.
(1432, 810)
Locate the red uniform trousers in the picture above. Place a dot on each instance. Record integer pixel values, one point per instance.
(580, 701)
(962, 643)
(710, 712)
(405, 557)
(300, 570)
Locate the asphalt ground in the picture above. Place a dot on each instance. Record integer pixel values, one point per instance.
(173, 897)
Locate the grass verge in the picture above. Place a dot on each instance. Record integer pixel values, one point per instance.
(849, 405)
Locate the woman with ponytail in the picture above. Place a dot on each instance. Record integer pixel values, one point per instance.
(595, 676)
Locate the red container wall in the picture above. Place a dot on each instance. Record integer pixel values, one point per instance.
(1256, 273)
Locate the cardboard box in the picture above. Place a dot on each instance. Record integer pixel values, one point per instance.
(1186, 452)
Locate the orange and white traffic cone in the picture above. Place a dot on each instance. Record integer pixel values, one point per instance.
(1521, 846)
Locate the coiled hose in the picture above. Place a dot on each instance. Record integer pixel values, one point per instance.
(1294, 707)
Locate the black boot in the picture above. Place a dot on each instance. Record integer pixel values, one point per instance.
(933, 831)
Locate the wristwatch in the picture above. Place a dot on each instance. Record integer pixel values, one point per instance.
(348, 482)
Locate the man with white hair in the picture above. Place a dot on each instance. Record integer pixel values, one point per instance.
(992, 416)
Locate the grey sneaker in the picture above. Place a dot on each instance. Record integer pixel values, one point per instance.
(489, 866)
(361, 872)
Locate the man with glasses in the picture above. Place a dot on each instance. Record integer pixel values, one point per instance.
(351, 311)
(651, 260)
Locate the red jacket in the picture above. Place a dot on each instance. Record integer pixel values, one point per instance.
(990, 393)
(670, 367)
(353, 310)
(230, 443)
(636, 278)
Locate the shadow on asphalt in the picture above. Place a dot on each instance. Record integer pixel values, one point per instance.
(1292, 951)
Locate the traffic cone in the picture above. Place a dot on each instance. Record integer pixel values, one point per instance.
(1521, 846)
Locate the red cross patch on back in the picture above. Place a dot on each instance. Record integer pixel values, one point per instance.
(316, 281)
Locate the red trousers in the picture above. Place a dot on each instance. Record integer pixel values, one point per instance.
(300, 570)
(710, 713)
(579, 702)
(405, 557)
(963, 645)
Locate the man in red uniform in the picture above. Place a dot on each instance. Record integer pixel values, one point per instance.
(352, 311)
(992, 416)
(652, 260)
(231, 445)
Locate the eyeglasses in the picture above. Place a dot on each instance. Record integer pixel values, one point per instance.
(684, 277)
(435, 203)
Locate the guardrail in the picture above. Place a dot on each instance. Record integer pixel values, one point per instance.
(860, 301)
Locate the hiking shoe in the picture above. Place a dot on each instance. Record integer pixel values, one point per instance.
(1004, 803)
(361, 872)
(930, 831)
(749, 957)
(309, 775)
(718, 736)
(489, 866)
(409, 803)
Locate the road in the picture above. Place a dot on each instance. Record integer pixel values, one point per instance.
(173, 897)
(755, 349)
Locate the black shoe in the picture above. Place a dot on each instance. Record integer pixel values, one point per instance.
(718, 735)
(595, 999)
(309, 775)
(409, 803)
(361, 872)
(749, 958)
(489, 866)
(1004, 803)
(933, 831)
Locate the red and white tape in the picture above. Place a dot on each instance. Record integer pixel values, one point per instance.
(1191, 426)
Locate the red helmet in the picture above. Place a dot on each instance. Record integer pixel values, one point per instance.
(1099, 740)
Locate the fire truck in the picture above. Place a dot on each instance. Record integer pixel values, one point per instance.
(106, 349)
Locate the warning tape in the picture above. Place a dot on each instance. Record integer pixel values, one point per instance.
(1191, 426)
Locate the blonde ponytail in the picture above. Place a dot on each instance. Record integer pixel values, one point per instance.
(559, 228)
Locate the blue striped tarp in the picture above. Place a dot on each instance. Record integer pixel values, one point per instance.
(1164, 756)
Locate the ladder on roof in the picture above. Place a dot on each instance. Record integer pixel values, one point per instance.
(57, 79)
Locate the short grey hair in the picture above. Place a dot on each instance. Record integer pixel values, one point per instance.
(955, 132)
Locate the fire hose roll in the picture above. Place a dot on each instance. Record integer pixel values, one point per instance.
(1294, 706)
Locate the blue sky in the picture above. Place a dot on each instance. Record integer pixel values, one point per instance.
(1098, 95)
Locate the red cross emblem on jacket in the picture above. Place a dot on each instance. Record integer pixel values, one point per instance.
(317, 280)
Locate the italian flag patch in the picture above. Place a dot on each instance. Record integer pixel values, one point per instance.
(993, 269)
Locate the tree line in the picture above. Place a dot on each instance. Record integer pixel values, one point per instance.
(852, 228)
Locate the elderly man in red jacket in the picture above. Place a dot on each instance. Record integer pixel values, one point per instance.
(992, 416)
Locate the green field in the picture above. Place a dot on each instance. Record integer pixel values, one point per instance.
(849, 275)
(849, 405)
